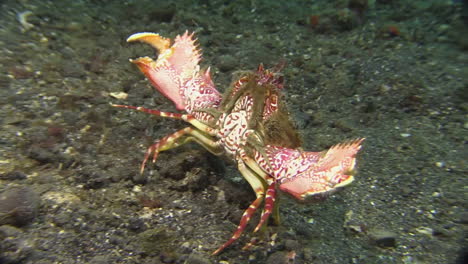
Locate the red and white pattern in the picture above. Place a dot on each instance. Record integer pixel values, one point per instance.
(236, 126)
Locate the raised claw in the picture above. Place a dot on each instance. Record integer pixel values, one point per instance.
(153, 39)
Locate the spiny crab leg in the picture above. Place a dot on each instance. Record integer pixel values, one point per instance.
(186, 117)
(179, 138)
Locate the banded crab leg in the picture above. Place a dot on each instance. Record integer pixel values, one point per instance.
(186, 117)
(179, 138)
(270, 196)
(257, 183)
(269, 205)
(201, 134)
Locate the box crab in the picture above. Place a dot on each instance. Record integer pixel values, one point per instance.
(249, 123)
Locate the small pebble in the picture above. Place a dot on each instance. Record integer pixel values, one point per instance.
(425, 230)
(18, 206)
(197, 259)
(227, 63)
(119, 95)
(279, 257)
(383, 238)
(13, 175)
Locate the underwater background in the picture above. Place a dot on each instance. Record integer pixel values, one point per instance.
(392, 71)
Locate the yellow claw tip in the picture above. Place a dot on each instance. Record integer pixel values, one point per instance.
(141, 35)
(145, 60)
(153, 39)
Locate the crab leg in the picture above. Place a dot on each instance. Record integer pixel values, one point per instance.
(179, 138)
(257, 178)
(186, 117)
(253, 165)
(269, 205)
(257, 184)
(270, 194)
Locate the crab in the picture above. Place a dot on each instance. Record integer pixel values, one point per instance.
(249, 124)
